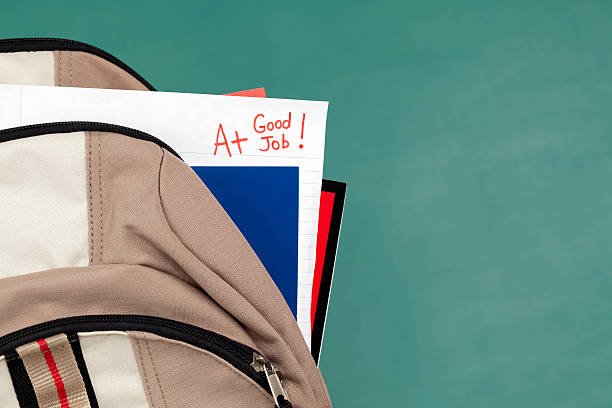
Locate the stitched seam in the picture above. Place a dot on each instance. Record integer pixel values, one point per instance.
(224, 363)
(90, 202)
(156, 374)
(144, 374)
(100, 189)
(59, 68)
(70, 67)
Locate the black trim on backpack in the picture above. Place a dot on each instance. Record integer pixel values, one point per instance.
(62, 44)
(22, 132)
(21, 382)
(236, 354)
(75, 344)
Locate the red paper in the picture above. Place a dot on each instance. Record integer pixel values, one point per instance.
(325, 215)
(254, 93)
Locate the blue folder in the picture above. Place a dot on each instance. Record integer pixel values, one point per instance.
(263, 203)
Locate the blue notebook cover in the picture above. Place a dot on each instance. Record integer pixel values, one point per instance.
(263, 203)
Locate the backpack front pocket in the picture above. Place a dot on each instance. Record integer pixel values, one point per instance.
(131, 361)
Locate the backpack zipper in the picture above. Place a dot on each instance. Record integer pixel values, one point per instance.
(262, 364)
(39, 129)
(242, 357)
(62, 44)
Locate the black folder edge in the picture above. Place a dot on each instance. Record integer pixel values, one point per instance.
(327, 274)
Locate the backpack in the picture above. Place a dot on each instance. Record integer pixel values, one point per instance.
(123, 282)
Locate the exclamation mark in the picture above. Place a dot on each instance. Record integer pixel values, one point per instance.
(302, 134)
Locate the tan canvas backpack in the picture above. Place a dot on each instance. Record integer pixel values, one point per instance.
(123, 282)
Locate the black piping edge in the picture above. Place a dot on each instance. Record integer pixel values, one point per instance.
(237, 354)
(24, 390)
(62, 44)
(22, 132)
(77, 351)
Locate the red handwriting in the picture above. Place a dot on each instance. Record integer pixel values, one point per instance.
(217, 144)
(270, 126)
(236, 141)
(273, 133)
(275, 144)
(302, 133)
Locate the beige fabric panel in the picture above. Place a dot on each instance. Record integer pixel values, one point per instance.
(43, 203)
(180, 375)
(27, 68)
(113, 370)
(54, 388)
(85, 70)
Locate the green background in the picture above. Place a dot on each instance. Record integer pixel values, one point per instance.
(474, 268)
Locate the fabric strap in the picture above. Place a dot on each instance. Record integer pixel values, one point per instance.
(54, 373)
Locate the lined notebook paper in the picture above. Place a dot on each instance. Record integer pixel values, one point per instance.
(204, 130)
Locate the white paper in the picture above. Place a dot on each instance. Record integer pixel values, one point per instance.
(192, 124)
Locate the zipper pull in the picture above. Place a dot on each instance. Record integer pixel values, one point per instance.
(260, 363)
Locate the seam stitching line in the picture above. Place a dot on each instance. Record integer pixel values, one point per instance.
(144, 373)
(90, 201)
(100, 189)
(59, 69)
(224, 363)
(155, 372)
(70, 67)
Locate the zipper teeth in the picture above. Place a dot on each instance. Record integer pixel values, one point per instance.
(86, 126)
(50, 39)
(237, 354)
(76, 123)
(87, 47)
(245, 353)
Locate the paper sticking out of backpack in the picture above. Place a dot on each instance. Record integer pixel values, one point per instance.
(204, 130)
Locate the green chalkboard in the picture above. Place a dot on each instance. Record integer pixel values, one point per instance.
(475, 262)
